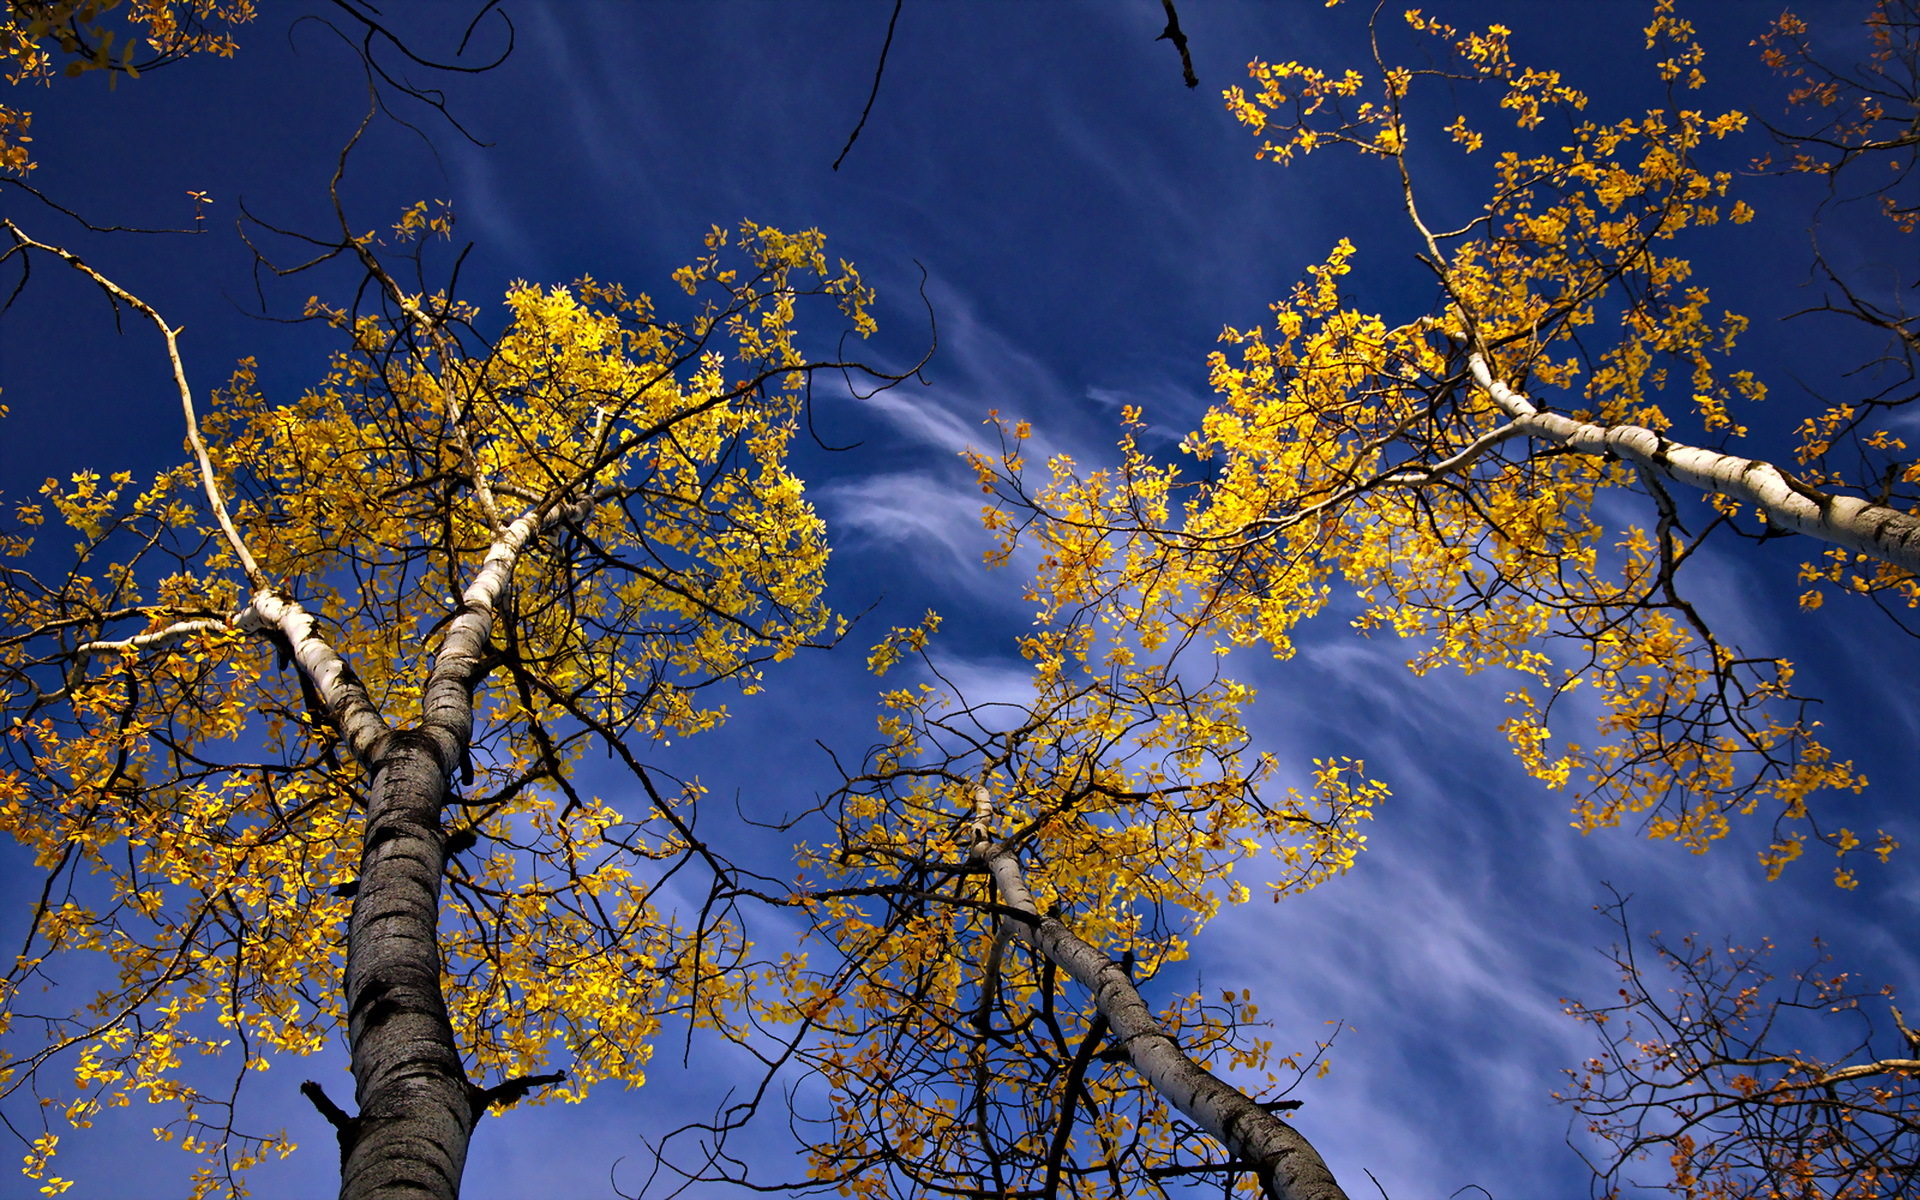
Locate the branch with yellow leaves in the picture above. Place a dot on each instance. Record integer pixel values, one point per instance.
(960, 1005)
(347, 703)
(1887, 534)
(1405, 459)
(1287, 1165)
(171, 336)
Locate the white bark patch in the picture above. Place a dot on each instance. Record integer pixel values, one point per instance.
(1873, 529)
(1290, 1168)
(360, 724)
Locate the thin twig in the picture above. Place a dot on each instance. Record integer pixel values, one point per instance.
(877, 72)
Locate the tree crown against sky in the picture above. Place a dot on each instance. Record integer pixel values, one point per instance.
(1398, 455)
(592, 510)
(977, 961)
(993, 861)
(1418, 459)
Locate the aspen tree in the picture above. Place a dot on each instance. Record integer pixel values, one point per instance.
(1452, 467)
(1005, 877)
(294, 730)
(1465, 471)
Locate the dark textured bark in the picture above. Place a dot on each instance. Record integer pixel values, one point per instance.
(417, 1107)
(416, 1110)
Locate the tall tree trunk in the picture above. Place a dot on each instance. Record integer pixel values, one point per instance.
(1288, 1165)
(416, 1105)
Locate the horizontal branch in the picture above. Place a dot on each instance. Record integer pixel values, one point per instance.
(1872, 529)
(158, 639)
(511, 1091)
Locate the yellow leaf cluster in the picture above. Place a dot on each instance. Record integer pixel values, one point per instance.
(185, 795)
(1130, 794)
(1346, 449)
(78, 36)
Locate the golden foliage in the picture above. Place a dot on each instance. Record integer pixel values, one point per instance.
(185, 799)
(1129, 793)
(77, 36)
(1349, 449)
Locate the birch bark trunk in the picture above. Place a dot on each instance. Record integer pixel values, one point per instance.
(1288, 1165)
(416, 1106)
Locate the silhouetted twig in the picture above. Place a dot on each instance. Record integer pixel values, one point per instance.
(1172, 34)
(877, 72)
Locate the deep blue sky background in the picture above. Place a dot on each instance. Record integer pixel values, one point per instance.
(1087, 226)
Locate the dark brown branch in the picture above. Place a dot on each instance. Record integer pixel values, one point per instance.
(511, 1091)
(1069, 1094)
(345, 1128)
(1176, 1172)
(877, 72)
(1172, 33)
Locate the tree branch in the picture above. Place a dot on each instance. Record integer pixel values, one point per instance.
(345, 1128)
(157, 639)
(1069, 1095)
(877, 72)
(256, 578)
(1289, 1167)
(1874, 529)
(511, 1091)
(1173, 34)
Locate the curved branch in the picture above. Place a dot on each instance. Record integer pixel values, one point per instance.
(255, 576)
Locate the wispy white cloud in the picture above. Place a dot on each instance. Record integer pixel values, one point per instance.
(981, 367)
(930, 522)
(981, 681)
(922, 417)
(485, 210)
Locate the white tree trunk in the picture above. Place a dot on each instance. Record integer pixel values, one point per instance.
(1288, 1165)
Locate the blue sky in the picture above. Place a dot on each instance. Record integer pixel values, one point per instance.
(1087, 225)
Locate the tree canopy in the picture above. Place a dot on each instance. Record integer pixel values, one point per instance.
(364, 726)
(1462, 469)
